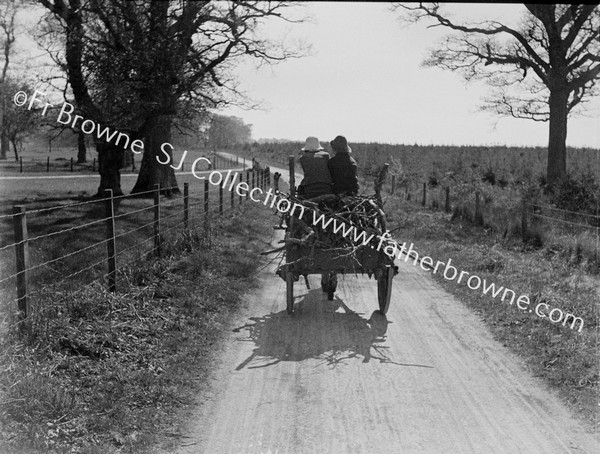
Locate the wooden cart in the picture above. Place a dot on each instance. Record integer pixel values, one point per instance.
(305, 260)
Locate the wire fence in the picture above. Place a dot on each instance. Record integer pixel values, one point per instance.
(88, 243)
(71, 165)
(483, 208)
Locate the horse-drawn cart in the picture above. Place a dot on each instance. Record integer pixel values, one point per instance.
(316, 257)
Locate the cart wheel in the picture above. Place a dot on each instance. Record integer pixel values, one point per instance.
(384, 289)
(289, 287)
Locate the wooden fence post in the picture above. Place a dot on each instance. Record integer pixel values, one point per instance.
(71, 164)
(21, 164)
(478, 216)
(524, 220)
(186, 205)
(407, 192)
(22, 261)
(220, 199)
(447, 204)
(393, 183)
(424, 194)
(111, 243)
(232, 195)
(48, 164)
(157, 219)
(253, 178)
(205, 197)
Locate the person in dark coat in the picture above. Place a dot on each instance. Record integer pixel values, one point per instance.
(343, 168)
(317, 180)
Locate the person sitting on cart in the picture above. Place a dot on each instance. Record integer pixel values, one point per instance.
(343, 168)
(317, 180)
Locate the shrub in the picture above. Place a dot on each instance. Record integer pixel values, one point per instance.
(433, 180)
(576, 194)
(489, 176)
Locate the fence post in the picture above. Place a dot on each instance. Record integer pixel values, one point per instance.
(22, 259)
(478, 216)
(71, 164)
(524, 220)
(447, 204)
(220, 199)
(393, 183)
(186, 205)
(205, 197)
(111, 243)
(48, 164)
(424, 194)
(21, 164)
(241, 179)
(157, 219)
(406, 192)
(253, 178)
(232, 193)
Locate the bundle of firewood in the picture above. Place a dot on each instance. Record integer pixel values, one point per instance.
(335, 223)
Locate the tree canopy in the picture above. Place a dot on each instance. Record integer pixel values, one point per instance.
(145, 66)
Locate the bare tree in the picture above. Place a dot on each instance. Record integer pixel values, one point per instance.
(8, 12)
(17, 122)
(141, 66)
(541, 70)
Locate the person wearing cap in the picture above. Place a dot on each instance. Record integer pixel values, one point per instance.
(343, 168)
(317, 180)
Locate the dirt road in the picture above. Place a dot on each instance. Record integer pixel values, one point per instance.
(337, 378)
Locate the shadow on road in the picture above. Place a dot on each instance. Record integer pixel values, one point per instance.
(326, 330)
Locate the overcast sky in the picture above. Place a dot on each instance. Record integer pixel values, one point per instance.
(364, 80)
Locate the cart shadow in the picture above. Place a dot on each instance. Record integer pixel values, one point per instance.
(317, 329)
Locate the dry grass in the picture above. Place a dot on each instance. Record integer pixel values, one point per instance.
(107, 373)
(566, 359)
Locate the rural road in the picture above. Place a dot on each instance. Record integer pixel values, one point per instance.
(336, 377)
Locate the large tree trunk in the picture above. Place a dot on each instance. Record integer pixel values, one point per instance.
(4, 144)
(158, 132)
(557, 138)
(110, 158)
(14, 144)
(81, 151)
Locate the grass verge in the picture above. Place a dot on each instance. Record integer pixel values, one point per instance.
(107, 373)
(566, 359)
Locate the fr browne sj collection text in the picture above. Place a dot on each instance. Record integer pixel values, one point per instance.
(38, 101)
